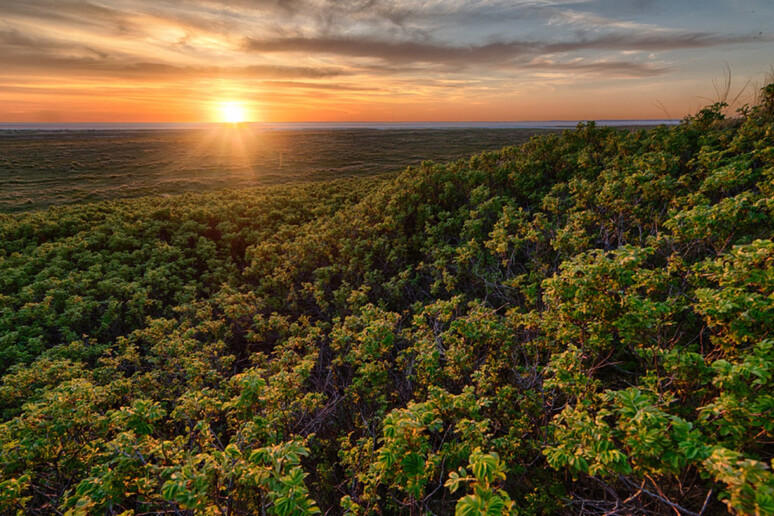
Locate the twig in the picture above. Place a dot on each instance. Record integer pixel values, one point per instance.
(680, 509)
(706, 501)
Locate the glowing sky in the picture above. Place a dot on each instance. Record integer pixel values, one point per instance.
(374, 60)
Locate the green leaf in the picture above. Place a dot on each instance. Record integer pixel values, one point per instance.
(413, 464)
(765, 502)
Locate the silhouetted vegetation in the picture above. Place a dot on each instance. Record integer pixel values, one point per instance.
(582, 325)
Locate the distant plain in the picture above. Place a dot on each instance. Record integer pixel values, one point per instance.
(44, 168)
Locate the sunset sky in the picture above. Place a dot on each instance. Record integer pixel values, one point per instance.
(375, 60)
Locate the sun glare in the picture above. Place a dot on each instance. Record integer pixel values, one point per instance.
(233, 112)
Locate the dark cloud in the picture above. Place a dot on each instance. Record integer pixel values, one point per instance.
(393, 51)
(33, 50)
(148, 71)
(290, 6)
(160, 70)
(69, 13)
(604, 68)
(14, 38)
(665, 41)
(402, 52)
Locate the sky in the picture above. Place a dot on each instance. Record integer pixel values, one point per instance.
(377, 60)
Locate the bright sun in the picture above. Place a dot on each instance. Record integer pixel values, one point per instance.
(233, 112)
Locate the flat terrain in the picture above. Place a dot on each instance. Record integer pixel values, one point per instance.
(44, 168)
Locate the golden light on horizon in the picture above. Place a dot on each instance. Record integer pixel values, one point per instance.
(233, 112)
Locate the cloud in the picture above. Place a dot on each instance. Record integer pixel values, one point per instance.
(315, 86)
(34, 50)
(502, 52)
(67, 13)
(650, 42)
(400, 33)
(610, 69)
(14, 38)
(390, 51)
(288, 6)
(100, 66)
(156, 70)
(591, 21)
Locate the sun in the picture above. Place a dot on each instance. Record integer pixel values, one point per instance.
(233, 112)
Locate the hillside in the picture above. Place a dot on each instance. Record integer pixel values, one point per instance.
(581, 325)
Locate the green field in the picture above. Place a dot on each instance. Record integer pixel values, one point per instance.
(578, 325)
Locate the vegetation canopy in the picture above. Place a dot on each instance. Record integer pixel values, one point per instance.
(582, 325)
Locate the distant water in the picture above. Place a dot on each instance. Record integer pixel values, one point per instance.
(316, 126)
(52, 164)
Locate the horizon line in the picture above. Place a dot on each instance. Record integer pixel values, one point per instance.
(374, 123)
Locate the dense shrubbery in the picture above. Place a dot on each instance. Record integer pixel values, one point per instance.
(582, 324)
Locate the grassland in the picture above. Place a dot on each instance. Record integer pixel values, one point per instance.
(44, 168)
